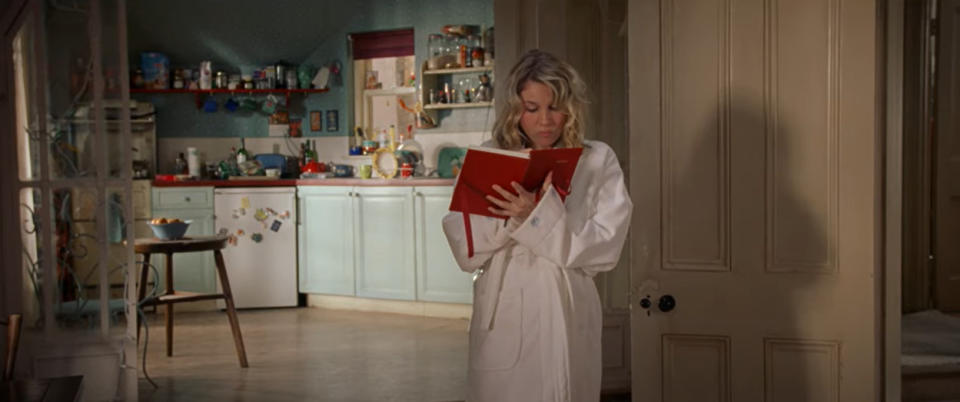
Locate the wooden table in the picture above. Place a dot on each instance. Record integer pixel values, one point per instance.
(148, 246)
(58, 389)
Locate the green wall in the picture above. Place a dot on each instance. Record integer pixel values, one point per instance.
(245, 34)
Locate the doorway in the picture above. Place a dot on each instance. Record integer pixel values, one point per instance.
(931, 261)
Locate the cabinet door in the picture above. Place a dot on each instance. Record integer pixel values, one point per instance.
(192, 272)
(439, 278)
(325, 240)
(385, 246)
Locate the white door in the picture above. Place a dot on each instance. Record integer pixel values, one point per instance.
(754, 160)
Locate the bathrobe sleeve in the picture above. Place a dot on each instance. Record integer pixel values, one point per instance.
(597, 245)
(489, 235)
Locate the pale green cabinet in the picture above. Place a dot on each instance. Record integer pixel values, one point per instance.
(326, 240)
(192, 272)
(385, 247)
(439, 278)
(378, 242)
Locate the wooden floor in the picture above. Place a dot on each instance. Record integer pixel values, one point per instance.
(302, 354)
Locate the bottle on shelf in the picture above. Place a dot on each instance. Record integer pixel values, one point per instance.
(302, 157)
(242, 154)
(311, 151)
(180, 165)
(393, 138)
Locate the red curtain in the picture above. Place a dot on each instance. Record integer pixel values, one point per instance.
(369, 45)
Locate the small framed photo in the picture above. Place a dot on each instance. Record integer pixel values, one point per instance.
(316, 121)
(333, 120)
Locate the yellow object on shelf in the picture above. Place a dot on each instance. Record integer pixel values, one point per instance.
(385, 163)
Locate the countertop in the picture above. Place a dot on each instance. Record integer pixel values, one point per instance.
(350, 181)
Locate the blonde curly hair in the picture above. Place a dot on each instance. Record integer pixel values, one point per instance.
(569, 96)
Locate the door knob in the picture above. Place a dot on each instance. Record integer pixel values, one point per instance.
(645, 302)
(667, 303)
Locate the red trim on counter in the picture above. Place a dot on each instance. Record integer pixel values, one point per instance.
(306, 182)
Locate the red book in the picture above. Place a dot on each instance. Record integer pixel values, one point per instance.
(484, 167)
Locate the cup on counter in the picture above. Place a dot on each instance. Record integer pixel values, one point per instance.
(272, 172)
(365, 171)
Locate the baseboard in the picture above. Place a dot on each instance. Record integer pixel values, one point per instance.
(417, 308)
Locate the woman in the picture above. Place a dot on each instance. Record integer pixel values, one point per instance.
(535, 332)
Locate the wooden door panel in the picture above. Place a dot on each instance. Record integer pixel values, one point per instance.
(695, 135)
(696, 368)
(816, 363)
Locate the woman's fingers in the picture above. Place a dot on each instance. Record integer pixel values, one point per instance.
(547, 182)
(522, 192)
(504, 193)
(503, 212)
(498, 202)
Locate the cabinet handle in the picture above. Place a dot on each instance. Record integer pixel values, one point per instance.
(187, 199)
(419, 194)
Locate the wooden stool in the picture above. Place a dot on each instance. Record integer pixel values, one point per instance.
(170, 297)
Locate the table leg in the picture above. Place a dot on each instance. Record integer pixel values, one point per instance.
(142, 287)
(231, 311)
(170, 291)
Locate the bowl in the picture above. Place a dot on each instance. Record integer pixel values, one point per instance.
(170, 231)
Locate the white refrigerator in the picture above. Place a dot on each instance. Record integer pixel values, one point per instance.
(261, 253)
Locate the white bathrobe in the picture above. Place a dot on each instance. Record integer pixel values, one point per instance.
(535, 331)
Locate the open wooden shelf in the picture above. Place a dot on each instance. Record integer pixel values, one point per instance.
(457, 105)
(465, 70)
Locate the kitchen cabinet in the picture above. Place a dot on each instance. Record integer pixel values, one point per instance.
(192, 272)
(385, 264)
(326, 240)
(439, 278)
(378, 242)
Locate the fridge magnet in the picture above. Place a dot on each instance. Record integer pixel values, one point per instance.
(243, 212)
(240, 232)
(272, 212)
(223, 232)
(232, 240)
(275, 226)
(333, 121)
(316, 121)
(256, 237)
(244, 203)
(285, 215)
(260, 215)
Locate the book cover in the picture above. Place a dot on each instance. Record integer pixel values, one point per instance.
(484, 167)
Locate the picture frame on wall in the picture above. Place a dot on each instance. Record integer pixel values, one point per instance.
(333, 120)
(316, 121)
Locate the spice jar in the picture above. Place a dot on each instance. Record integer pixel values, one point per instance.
(220, 80)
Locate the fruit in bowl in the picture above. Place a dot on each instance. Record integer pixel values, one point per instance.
(169, 229)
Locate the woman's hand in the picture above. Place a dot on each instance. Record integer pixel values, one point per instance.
(517, 206)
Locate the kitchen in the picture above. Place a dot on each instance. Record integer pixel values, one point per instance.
(312, 222)
(367, 240)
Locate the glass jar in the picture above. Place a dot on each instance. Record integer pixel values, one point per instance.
(220, 81)
(434, 45)
(451, 51)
